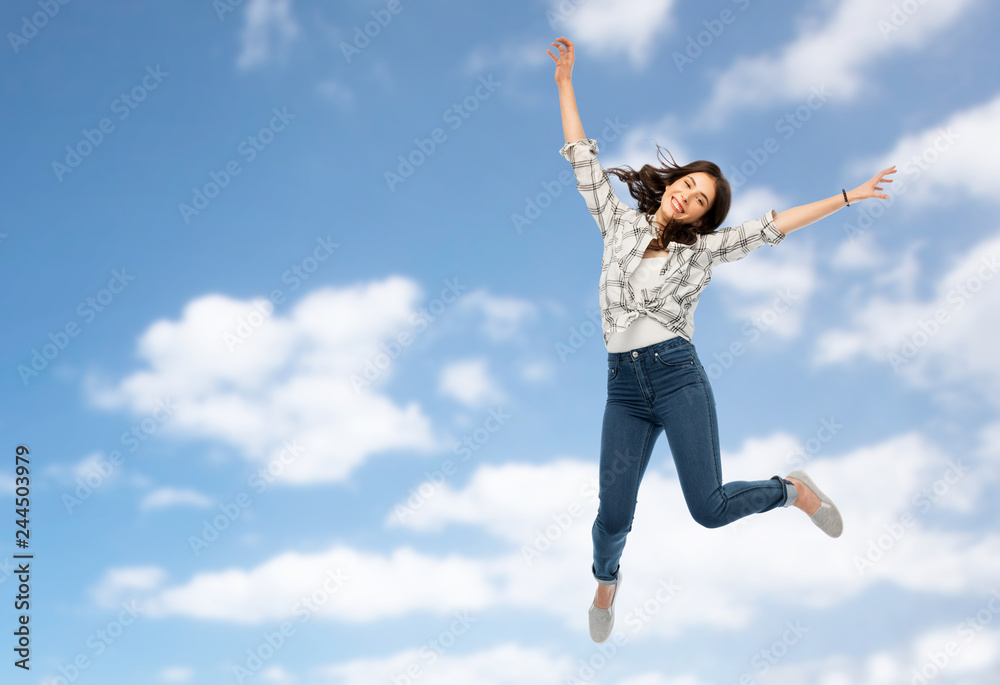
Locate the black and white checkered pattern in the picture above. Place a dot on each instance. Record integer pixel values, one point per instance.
(627, 233)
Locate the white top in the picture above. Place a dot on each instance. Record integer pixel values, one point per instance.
(644, 330)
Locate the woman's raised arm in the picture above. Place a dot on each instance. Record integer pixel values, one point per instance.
(803, 215)
(572, 126)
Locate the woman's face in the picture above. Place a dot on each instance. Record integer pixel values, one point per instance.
(688, 198)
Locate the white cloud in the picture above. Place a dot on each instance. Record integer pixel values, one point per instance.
(470, 383)
(261, 381)
(499, 665)
(126, 583)
(92, 463)
(902, 278)
(336, 92)
(836, 53)
(536, 371)
(94, 467)
(552, 507)
(860, 252)
(946, 655)
(988, 453)
(172, 497)
(176, 674)
(503, 317)
(304, 383)
(786, 275)
(343, 584)
(753, 203)
(276, 674)
(948, 338)
(654, 678)
(639, 147)
(944, 163)
(544, 514)
(269, 28)
(770, 288)
(485, 57)
(487, 499)
(602, 29)
(599, 29)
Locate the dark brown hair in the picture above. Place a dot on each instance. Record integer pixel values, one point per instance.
(649, 183)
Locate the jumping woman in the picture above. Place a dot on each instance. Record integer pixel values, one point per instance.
(657, 259)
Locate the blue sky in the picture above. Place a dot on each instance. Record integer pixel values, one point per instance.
(301, 337)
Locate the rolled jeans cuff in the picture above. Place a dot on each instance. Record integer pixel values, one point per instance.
(791, 494)
(593, 571)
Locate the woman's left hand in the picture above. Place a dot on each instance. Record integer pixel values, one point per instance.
(867, 190)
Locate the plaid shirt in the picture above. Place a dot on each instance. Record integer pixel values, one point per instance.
(627, 233)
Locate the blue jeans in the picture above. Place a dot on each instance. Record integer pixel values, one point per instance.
(664, 387)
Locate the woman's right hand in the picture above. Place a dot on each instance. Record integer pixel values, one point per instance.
(564, 63)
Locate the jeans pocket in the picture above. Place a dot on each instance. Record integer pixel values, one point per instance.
(612, 369)
(674, 356)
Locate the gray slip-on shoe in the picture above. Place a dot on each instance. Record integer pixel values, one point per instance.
(603, 620)
(827, 518)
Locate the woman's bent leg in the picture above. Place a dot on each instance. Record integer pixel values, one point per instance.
(687, 412)
(627, 438)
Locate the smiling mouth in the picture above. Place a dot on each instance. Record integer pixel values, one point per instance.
(676, 205)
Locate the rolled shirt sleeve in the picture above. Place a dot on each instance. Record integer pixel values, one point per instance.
(733, 243)
(593, 183)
